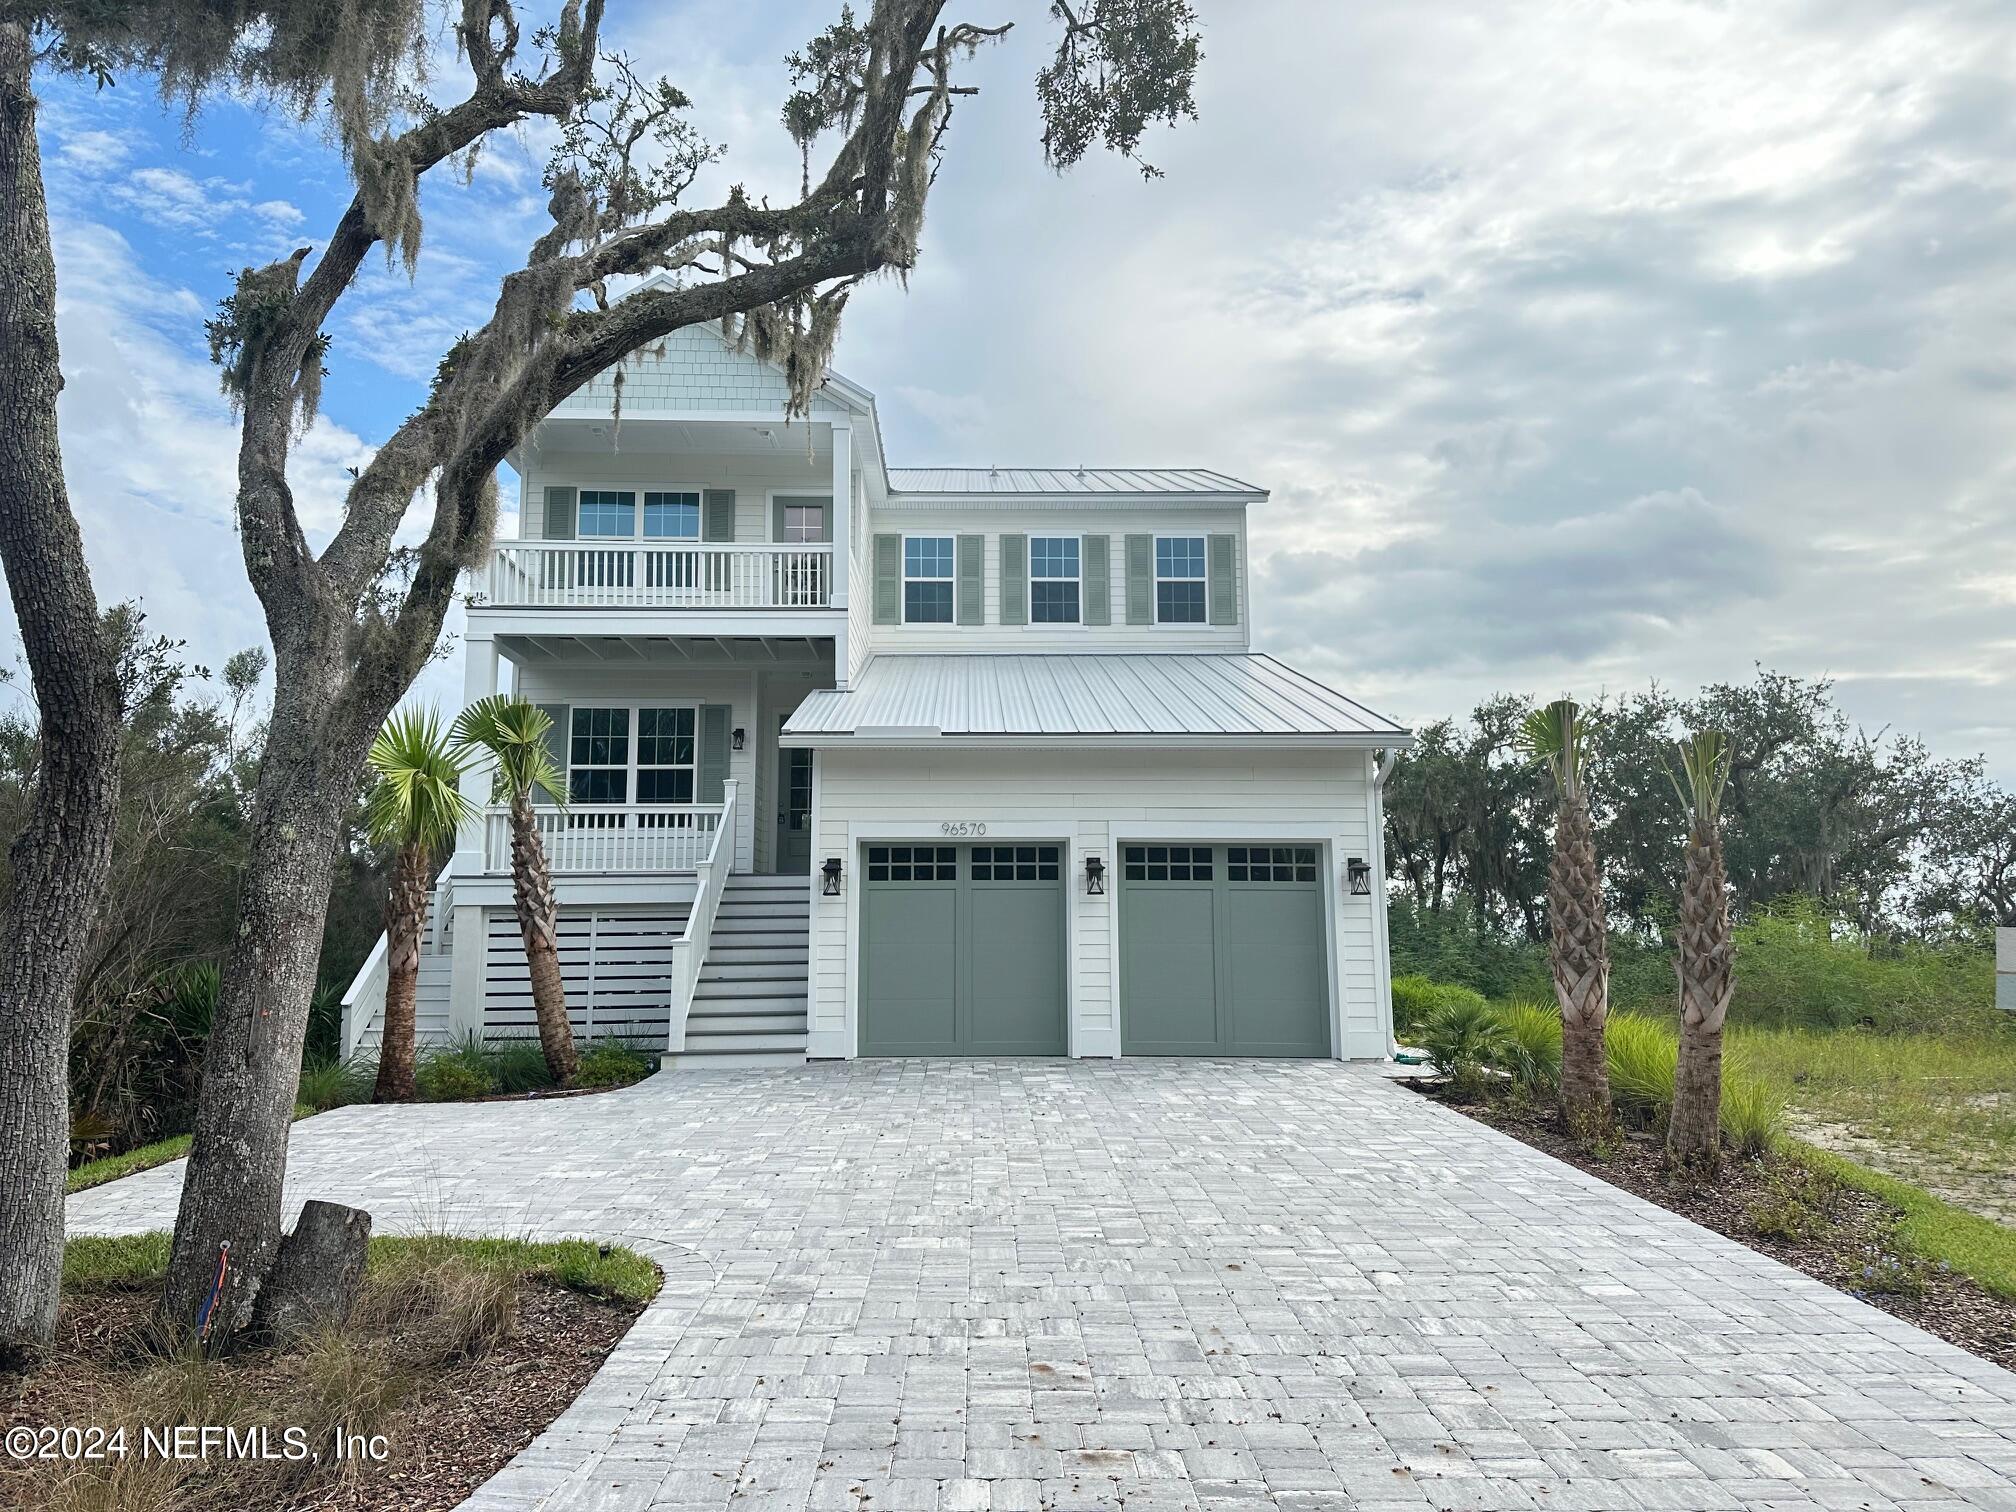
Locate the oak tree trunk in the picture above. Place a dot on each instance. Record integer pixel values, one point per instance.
(61, 859)
(231, 1192)
(538, 924)
(405, 927)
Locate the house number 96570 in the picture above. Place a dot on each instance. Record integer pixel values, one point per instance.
(962, 827)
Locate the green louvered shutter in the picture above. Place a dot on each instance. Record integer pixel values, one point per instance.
(1014, 580)
(888, 580)
(972, 586)
(1220, 551)
(1140, 580)
(713, 752)
(1096, 592)
(717, 514)
(556, 745)
(560, 513)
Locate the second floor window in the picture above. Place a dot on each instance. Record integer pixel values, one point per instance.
(1179, 580)
(1053, 580)
(607, 512)
(672, 517)
(927, 580)
(598, 756)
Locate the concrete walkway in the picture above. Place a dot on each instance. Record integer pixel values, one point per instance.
(908, 1286)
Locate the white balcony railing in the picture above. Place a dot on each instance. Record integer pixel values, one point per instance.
(610, 837)
(657, 575)
(711, 880)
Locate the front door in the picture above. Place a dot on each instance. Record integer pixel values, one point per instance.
(794, 810)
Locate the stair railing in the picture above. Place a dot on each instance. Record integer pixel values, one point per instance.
(690, 951)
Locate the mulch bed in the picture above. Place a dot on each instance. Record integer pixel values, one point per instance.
(1840, 1236)
(459, 1426)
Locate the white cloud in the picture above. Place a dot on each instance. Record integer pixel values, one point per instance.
(278, 213)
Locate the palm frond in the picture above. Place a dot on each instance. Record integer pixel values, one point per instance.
(1705, 759)
(517, 736)
(417, 797)
(1556, 736)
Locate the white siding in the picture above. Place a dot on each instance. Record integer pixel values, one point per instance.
(1093, 800)
(691, 369)
(1080, 520)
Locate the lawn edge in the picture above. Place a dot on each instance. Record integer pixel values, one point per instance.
(1933, 1228)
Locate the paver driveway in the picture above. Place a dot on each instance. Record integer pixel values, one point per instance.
(906, 1286)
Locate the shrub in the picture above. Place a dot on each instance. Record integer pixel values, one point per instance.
(518, 1065)
(612, 1063)
(1642, 1055)
(1416, 999)
(1532, 1051)
(455, 1073)
(1462, 1039)
(328, 1083)
(1753, 1109)
(1796, 967)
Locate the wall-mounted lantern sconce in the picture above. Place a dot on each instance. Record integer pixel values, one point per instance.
(1359, 874)
(1095, 877)
(736, 739)
(829, 877)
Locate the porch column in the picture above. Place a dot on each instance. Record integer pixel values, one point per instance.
(479, 680)
(843, 499)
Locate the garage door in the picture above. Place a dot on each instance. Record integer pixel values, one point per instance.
(962, 950)
(1221, 951)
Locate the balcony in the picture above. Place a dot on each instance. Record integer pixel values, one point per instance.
(611, 837)
(656, 575)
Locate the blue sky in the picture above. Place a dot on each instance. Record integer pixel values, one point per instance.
(1580, 345)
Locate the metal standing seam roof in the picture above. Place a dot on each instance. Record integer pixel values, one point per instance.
(1200, 694)
(1067, 480)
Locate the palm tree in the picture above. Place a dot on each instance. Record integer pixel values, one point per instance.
(1579, 943)
(415, 807)
(1705, 958)
(514, 734)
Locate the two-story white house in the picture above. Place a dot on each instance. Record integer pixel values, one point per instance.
(870, 760)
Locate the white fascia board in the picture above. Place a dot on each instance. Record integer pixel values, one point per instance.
(828, 740)
(645, 623)
(1158, 503)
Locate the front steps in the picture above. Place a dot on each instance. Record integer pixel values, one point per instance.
(750, 1004)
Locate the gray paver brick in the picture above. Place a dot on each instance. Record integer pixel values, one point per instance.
(1033, 1286)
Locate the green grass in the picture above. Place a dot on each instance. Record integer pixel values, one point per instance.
(1930, 1227)
(598, 1270)
(111, 1167)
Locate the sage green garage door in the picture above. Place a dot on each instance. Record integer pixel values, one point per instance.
(1221, 951)
(962, 950)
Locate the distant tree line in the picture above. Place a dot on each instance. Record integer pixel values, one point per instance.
(1882, 834)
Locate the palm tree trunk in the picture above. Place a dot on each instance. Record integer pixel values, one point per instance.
(405, 926)
(1705, 963)
(539, 926)
(60, 860)
(1580, 957)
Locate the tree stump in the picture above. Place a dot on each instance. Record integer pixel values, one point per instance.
(318, 1272)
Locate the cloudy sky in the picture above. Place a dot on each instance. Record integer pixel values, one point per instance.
(1581, 344)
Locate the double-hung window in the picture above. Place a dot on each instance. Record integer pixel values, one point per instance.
(598, 756)
(1053, 580)
(1179, 580)
(671, 517)
(607, 512)
(665, 755)
(927, 580)
(613, 753)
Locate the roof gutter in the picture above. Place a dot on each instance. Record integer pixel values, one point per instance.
(1252, 740)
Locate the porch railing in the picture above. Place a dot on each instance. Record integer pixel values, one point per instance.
(691, 952)
(653, 575)
(610, 837)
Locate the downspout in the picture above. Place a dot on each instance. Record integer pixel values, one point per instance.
(1383, 974)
